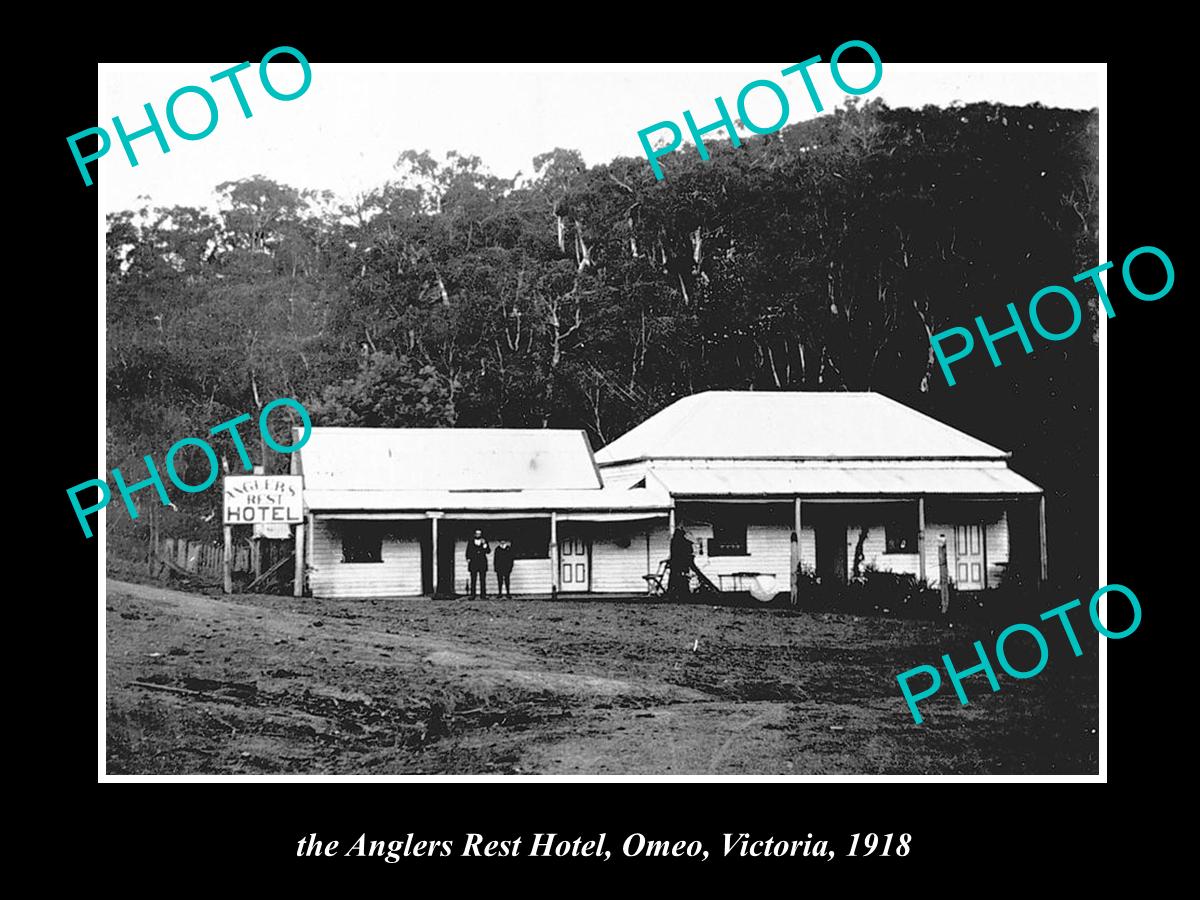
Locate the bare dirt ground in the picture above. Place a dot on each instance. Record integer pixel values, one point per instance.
(266, 684)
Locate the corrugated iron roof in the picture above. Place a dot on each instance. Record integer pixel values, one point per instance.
(618, 479)
(811, 481)
(792, 425)
(470, 459)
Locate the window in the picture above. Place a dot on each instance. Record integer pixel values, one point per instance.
(530, 538)
(900, 536)
(362, 543)
(729, 535)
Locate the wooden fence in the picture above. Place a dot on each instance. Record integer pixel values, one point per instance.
(206, 559)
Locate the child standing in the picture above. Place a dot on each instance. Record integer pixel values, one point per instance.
(502, 561)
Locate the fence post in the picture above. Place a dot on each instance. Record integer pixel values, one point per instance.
(152, 547)
(298, 581)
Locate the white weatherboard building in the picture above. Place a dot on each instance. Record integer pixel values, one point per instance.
(390, 509)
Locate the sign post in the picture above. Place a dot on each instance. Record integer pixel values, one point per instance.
(276, 501)
(298, 581)
(229, 559)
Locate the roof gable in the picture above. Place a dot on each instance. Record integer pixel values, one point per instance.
(793, 425)
(455, 459)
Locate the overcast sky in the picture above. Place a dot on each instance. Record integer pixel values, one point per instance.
(345, 133)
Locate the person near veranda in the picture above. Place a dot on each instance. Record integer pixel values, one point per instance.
(680, 563)
(477, 562)
(502, 561)
(795, 580)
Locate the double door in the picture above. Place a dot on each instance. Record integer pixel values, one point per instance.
(574, 562)
(970, 557)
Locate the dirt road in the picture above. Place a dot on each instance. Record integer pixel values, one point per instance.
(266, 684)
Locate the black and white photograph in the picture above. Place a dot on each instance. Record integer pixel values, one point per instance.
(601, 420)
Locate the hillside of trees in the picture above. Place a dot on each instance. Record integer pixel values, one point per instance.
(818, 258)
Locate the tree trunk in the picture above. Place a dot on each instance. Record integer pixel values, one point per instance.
(858, 553)
(930, 358)
(774, 371)
(262, 441)
(582, 253)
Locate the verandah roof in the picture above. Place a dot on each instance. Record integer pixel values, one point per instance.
(747, 481)
(599, 500)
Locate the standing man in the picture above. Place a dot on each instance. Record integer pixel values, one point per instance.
(795, 569)
(943, 573)
(477, 554)
(503, 561)
(680, 562)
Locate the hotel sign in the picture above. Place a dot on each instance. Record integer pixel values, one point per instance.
(264, 500)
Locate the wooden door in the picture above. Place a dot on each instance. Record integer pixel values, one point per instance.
(968, 553)
(831, 552)
(447, 543)
(574, 559)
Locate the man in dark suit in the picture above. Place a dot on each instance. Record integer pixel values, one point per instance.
(680, 562)
(477, 565)
(503, 563)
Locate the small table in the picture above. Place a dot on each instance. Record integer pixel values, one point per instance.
(737, 581)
